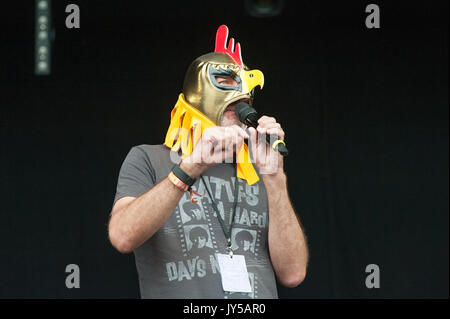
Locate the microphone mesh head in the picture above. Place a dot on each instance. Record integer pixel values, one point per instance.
(243, 110)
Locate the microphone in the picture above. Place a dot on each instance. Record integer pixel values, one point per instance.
(249, 117)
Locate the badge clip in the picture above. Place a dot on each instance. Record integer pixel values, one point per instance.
(229, 250)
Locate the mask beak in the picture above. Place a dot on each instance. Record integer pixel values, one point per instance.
(253, 78)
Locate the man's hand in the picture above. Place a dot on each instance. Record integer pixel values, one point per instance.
(287, 242)
(217, 144)
(267, 161)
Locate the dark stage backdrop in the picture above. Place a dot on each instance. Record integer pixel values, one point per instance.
(365, 111)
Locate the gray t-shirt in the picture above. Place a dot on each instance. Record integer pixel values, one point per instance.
(179, 260)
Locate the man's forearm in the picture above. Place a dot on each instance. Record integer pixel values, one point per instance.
(133, 224)
(287, 242)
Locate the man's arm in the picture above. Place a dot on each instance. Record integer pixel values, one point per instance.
(287, 242)
(135, 219)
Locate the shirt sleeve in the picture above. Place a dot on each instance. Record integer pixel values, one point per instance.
(136, 175)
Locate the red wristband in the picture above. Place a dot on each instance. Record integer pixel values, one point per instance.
(184, 187)
(178, 182)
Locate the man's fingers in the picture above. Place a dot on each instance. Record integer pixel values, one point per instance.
(266, 119)
(240, 131)
(270, 127)
(219, 144)
(276, 131)
(261, 130)
(228, 140)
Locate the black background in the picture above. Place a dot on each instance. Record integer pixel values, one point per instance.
(365, 111)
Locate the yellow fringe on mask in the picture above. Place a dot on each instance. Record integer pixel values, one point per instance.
(187, 125)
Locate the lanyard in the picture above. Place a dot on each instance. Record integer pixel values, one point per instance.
(226, 232)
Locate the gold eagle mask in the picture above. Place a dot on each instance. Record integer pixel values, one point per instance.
(204, 100)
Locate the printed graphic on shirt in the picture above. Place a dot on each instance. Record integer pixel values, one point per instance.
(243, 240)
(197, 237)
(198, 230)
(191, 212)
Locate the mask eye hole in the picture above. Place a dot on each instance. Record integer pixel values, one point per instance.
(226, 81)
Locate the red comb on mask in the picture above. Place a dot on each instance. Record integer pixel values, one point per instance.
(233, 51)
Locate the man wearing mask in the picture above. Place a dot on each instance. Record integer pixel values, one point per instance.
(206, 160)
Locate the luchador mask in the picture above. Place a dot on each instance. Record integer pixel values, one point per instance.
(201, 88)
(205, 97)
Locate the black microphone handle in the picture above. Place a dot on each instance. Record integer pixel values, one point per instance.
(249, 117)
(280, 147)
